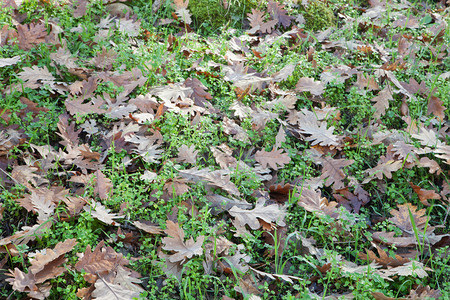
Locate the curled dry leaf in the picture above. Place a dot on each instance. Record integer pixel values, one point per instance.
(43, 267)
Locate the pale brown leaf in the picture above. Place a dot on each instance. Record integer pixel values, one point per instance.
(306, 84)
(29, 35)
(103, 185)
(274, 159)
(313, 201)
(102, 260)
(385, 169)
(271, 213)
(436, 107)
(402, 220)
(175, 242)
(187, 154)
(149, 228)
(332, 171)
(382, 101)
(101, 213)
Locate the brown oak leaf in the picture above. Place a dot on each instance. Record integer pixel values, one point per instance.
(101, 213)
(424, 195)
(256, 19)
(271, 213)
(147, 227)
(313, 201)
(187, 154)
(382, 101)
(332, 171)
(306, 84)
(103, 185)
(175, 242)
(102, 260)
(383, 258)
(436, 107)
(401, 218)
(274, 159)
(29, 35)
(381, 169)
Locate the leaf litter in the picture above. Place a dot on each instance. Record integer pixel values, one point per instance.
(70, 179)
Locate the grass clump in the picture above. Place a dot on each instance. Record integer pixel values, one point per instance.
(214, 14)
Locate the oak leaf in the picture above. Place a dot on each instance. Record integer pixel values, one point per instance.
(332, 171)
(35, 77)
(77, 106)
(401, 218)
(101, 213)
(44, 266)
(385, 169)
(383, 258)
(107, 291)
(220, 203)
(257, 23)
(429, 163)
(10, 61)
(101, 261)
(306, 84)
(436, 107)
(103, 185)
(427, 137)
(271, 213)
(313, 201)
(187, 154)
(175, 242)
(149, 228)
(218, 178)
(425, 195)
(274, 159)
(30, 35)
(318, 131)
(199, 94)
(67, 132)
(382, 101)
(42, 201)
(277, 12)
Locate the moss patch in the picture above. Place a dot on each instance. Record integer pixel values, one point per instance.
(318, 15)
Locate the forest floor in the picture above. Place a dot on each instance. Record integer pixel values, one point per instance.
(296, 151)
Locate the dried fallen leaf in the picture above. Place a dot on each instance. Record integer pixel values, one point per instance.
(149, 228)
(271, 213)
(101, 213)
(425, 195)
(273, 159)
(306, 84)
(175, 242)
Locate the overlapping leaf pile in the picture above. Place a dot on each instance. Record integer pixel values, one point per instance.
(113, 119)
